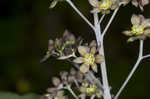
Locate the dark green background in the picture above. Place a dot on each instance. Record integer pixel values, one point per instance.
(27, 25)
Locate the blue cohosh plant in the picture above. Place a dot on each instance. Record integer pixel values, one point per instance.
(81, 81)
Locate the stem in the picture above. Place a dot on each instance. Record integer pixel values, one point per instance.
(92, 97)
(146, 56)
(71, 91)
(107, 94)
(76, 83)
(83, 97)
(141, 49)
(133, 70)
(101, 19)
(82, 16)
(110, 21)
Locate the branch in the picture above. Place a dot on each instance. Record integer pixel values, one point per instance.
(133, 70)
(92, 97)
(101, 19)
(107, 94)
(71, 91)
(82, 16)
(146, 56)
(110, 21)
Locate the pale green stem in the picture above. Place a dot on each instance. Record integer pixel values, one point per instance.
(101, 19)
(92, 97)
(82, 16)
(107, 94)
(110, 21)
(146, 56)
(71, 91)
(133, 70)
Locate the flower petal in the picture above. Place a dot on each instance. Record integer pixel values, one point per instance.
(144, 2)
(84, 68)
(56, 81)
(99, 59)
(68, 36)
(140, 37)
(135, 19)
(93, 44)
(94, 67)
(50, 45)
(96, 10)
(93, 50)
(78, 60)
(146, 23)
(94, 3)
(83, 50)
(147, 32)
(53, 4)
(127, 33)
(135, 3)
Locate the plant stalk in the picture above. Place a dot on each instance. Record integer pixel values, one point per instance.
(107, 94)
(82, 16)
(110, 21)
(133, 70)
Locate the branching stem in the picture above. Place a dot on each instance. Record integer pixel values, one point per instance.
(146, 56)
(140, 58)
(110, 21)
(107, 94)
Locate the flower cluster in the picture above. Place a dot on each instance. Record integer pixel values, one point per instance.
(104, 6)
(60, 84)
(140, 28)
(75, 80)
(89, 57)
(64, 47)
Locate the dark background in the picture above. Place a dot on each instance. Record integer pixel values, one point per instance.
(27, 25)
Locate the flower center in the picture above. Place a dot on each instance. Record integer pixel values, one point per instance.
(105, 4)
(89, 59)
(91, 90)
(137, 29)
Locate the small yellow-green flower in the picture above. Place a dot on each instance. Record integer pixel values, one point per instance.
(90, 89)
(140, 28)
(88, 58)
(140, 3)
(103, 6)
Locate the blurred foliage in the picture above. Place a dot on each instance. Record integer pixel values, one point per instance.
(15, 96)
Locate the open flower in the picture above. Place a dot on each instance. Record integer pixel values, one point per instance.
(89, 90)
(88, 58)
(103, 6)
(140, 28)
(140, 3)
